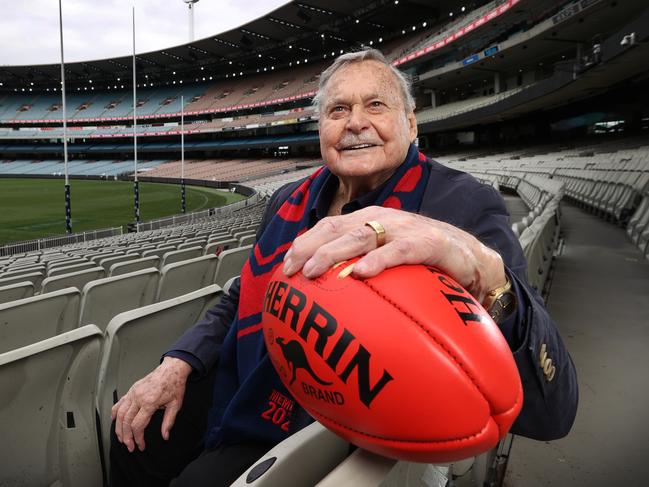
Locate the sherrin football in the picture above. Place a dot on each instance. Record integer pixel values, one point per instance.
(405, 364)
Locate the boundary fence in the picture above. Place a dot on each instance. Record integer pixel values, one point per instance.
(252, 197)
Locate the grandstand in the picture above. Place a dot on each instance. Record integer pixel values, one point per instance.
(545, 100)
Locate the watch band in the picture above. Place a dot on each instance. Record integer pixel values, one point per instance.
(500, 302)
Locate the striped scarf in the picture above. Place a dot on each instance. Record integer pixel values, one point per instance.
(250, 401)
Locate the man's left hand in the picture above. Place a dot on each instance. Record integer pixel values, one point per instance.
(410, 239)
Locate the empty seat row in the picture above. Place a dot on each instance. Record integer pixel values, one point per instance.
(35, 318)
(56, 277)
(55, 389)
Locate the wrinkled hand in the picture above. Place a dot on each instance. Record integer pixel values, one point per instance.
(410, 239)
(162, 388)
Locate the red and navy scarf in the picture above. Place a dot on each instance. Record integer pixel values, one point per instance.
(248, 391)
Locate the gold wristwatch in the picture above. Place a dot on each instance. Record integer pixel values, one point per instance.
(500, 303)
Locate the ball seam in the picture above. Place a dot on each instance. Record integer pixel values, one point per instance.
(368, 435)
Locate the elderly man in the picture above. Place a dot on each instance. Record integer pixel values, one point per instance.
(379, 197)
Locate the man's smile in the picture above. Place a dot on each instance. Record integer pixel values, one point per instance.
(358, 147)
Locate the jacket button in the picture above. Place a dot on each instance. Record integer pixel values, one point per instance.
(545, 363)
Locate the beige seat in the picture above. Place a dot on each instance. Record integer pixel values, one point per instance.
(200, 242)
(230, 263)
(107, 262)
(68, 269)
(67, 261)
(13, 271)
(229, 283)
(135, 340)
(105, 254)
(217, 246)
(180, 255)
(36, 278)
(301, 460)
(102, 299)
(47, 419)
(134, 265)
(159, 252)
(186, 276)
(76, 279)
(316, 457)
(15, 291)
(36, 318)
(247, 240)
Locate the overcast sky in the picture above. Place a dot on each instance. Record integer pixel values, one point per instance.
(98, 29)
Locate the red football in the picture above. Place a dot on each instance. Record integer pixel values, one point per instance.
(405, 364)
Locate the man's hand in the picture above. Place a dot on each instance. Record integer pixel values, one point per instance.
(410, 239)
(162, 388)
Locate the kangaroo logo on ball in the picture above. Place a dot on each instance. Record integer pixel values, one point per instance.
(296, 359)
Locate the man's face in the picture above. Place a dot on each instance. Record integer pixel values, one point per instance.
(364, 128)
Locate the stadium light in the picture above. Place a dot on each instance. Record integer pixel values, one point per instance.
(136, 186)
(190, 4)
(182, 153)
(68, 204)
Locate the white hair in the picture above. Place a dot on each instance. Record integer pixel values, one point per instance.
(405, 85)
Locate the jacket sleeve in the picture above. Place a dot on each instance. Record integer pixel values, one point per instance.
(200, 345)
(550, 402)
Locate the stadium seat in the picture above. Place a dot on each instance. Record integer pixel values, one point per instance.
(247, 240)
(230, 263)
(179, 255)
(215, 247)
(57, 271)
(518, 228)
(134, 265)
(15, 291)
(102, 299)
(368, 469)
(135, 340)
(47, 422)
(218, 235)
(639, 220)
(15, 270)
(228, 284)
(242, 233)
(104, 254)
(301, 460)
(76, 279)
(68, 261)
(107, 262)
(35, 318)
(158, 252)
(36, 278)
(193, 243)
(186, 276)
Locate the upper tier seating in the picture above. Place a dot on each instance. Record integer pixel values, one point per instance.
(228, 169)
(78, 167)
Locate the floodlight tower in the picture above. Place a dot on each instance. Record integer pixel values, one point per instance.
(190, 4)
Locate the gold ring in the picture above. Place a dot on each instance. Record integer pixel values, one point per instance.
(379, 230)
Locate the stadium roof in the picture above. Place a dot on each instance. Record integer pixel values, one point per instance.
(296, 31)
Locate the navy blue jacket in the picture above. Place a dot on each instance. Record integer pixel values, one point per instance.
(455, 197)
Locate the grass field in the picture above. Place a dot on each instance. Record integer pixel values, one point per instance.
(34, 208)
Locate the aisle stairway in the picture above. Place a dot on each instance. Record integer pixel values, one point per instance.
(599, 299)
